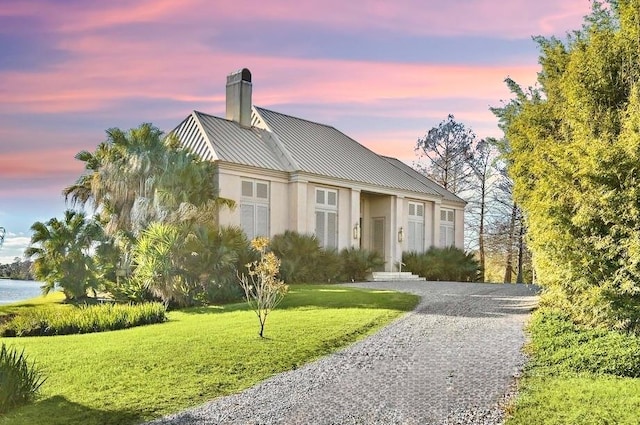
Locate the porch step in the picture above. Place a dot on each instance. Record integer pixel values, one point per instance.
(395, 276)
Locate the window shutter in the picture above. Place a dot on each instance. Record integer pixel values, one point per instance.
(262, 191)
(332, 198)
(247, 189)
(450, 236)
(247, 215)
(332, 230)
(320, 227)
(262, 220)
(411, 236)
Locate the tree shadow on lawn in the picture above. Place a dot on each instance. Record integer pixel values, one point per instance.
(308, 296)
(479, 306)
(57, 410)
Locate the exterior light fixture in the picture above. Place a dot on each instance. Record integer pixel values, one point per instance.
(400, 235)
(356, 231)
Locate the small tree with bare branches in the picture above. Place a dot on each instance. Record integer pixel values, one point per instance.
(263, 291)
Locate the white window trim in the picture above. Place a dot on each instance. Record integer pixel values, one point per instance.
(326, 209)
(447, 228)
(416, 227)
(258, 205)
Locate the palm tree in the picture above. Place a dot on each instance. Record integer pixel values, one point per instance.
(137, 178)
(61, 250)
(140, 177)
(158, 255)
(121, 171)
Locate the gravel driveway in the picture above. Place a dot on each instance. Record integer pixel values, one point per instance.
(451, 361)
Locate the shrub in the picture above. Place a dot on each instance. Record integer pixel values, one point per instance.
(47, 321)
(447, 264)
(301, 257)
(560, 346)
(328, 268)
(221, 254)
(19, 380)
(357, 263)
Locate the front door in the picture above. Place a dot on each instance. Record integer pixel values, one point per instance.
(377, 237)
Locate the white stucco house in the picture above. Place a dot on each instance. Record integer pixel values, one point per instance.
(288, 173)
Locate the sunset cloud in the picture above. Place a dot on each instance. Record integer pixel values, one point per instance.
(383, 72)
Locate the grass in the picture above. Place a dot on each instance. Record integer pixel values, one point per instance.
(577, 375)
(133, 375)
(49, 320)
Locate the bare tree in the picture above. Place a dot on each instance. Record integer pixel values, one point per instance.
(481, 163)
(443, 155)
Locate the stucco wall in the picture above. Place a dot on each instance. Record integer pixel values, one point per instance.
(292, 205)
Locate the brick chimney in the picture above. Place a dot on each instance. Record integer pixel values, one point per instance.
(239, 97)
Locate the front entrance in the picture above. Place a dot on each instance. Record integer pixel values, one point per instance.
(377, 237)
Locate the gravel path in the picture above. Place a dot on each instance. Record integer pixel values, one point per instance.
(451, 361)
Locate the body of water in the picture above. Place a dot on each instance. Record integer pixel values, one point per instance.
(18, 290)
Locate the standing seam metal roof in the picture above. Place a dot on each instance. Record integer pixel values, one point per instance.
(295, 144)
(449, 196)
(236, 144)
(324, 150)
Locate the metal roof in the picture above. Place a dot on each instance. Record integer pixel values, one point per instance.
(324, 150)
(233, 143)
(284, 143)
(424, 179)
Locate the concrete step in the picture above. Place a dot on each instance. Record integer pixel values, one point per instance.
(395, 276)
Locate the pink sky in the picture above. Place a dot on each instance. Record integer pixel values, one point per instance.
(382, 72)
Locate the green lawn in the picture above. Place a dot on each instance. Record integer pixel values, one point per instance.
(137, 374)
(578, 376)
(590, 400)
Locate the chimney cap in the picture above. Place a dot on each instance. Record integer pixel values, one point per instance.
(240, 75)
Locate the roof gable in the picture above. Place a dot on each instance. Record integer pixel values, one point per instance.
(225, 140)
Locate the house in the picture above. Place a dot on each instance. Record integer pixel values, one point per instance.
(288, 173)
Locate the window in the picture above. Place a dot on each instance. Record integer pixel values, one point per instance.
(254, 208)
(447, 227)
(415, 232)
(327, 218)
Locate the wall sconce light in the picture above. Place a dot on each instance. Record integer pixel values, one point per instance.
(356, 231)
(400, 235)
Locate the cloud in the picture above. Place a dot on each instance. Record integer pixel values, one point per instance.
(121, 50)
(43, 162)
(517, 18)
(276, 81)
(12, 248)
(13, 242)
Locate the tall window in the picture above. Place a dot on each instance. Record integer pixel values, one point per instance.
(254, 208)
(327, 217)
(447, 227)
(415, 232)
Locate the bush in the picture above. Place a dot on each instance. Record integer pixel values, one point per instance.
(301, 257)
(447, 264)
(357, 263)
(221, 253)
(328, 267)
(560, 347)
(47, 321)
(19, 381)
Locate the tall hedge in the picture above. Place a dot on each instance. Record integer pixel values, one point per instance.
(573, 145)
